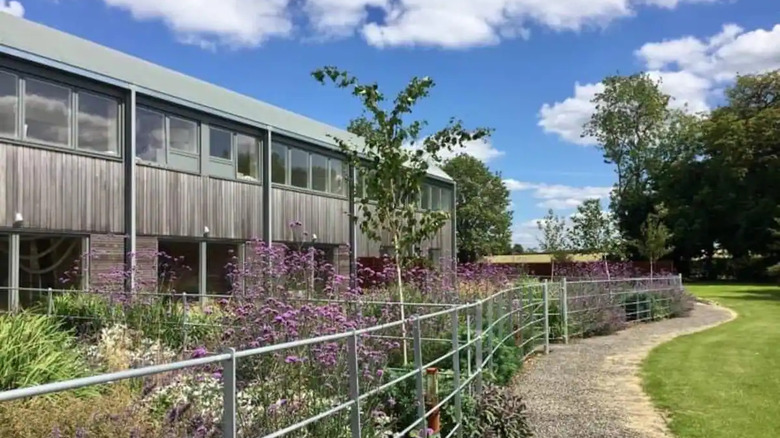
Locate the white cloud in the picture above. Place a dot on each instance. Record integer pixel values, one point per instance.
(567, 118)
(235, 23)
(12, 7)
(691, 70)
(436, 23)
(558, 196)
(481, 149)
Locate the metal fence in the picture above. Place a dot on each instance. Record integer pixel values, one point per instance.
(527, 318)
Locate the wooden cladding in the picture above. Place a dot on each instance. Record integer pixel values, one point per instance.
(171, 203)
(324, 216)
(60, 191)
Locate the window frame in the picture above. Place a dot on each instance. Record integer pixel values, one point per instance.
(76, 85)
(293, 144)
(216, 167)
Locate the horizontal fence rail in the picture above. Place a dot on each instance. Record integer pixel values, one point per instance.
(451, 344)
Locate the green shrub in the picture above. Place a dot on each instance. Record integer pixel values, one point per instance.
(85, 314)
(34, 350)
(638, 306)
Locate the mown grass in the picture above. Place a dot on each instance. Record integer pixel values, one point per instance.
(723, 382)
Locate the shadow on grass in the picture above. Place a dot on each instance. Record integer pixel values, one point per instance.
(758, 294)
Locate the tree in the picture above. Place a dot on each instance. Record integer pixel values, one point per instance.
(629, 121)
(483, 220)
(394, 173)
(554, 240)
(654, 243)
(517, 249)
(593, 231)
(774, 270)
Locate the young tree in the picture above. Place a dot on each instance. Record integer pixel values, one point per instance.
(394, 172)
(483, 220)
(554, 240)
(654, 243)
(517, 249)
(593, 231)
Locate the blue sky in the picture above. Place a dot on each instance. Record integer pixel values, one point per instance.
(526, 68)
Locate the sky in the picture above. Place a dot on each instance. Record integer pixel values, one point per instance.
(527, 69)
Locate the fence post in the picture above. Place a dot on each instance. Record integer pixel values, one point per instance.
(229, 395)
(184, 321)
(546, 299)
(679, 281)
(478, 337)
(468, 342)
(418, 363)
(354, 384)
(565, 310)
(456, 372)
(490, 337)
(50, 306)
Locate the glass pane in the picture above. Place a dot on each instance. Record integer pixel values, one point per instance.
(9, 103)
(360, 185)
(435, 198)
(299, 168)
(98, 119)
(339, 172)
(425, 203)
(248, 149)
(149, 135)
(446, 199)
(221, 144)
(184, 135)
(47, 112)
(319, 172)
(279, 164)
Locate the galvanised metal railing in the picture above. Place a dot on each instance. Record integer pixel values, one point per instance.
(523, 316)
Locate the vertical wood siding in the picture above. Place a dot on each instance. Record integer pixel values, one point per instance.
(172, 203)
(60, 191)
(235, 210)
(324, 216)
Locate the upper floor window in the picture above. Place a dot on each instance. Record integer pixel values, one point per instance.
(308, 170)
(9, 104)
(167, 139)
(248, 155)
(55, 114)
(150, 135)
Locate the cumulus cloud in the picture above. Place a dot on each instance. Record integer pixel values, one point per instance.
(12, 7)
(691, 70)
(558, 196)
(452, 24)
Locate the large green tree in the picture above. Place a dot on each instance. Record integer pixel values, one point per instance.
(394, 172)
(483, 217)
(629, 121)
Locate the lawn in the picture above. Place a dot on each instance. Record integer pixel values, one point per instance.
(723, 382)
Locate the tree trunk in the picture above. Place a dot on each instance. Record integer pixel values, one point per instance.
(400, 283)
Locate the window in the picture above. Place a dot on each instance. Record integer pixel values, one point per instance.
(149, 135)
(446, 199)
(319, 172)
(98, 124)
(425, 198)
(47, 112)
(435, 198)
(248, 151)
(183, 135)
(9, 104)
(299, 168)
(339, 172)
(279, 164)
(220, 144)
(360, 185)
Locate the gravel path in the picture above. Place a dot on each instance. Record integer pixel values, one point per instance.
(591, 388)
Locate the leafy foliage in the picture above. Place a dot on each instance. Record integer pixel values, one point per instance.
(35, 350)
(484, 219)
(502, 414)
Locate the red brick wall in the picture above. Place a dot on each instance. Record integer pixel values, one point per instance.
(107, 261)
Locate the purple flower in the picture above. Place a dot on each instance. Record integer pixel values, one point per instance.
(200, 352)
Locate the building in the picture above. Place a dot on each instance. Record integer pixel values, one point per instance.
(107, 154)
